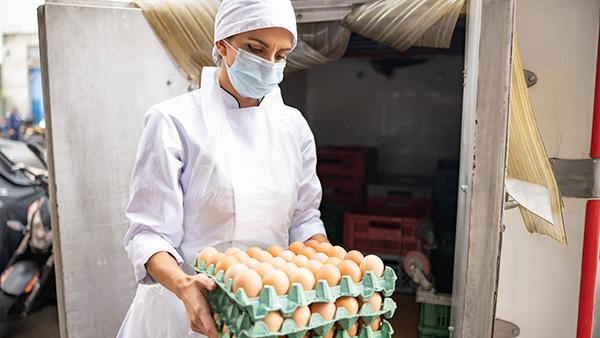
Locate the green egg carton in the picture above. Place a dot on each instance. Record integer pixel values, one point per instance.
(365, 331)
(241, 324)
(268, 300)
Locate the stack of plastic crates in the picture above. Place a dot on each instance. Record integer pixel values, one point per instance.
(434, 321)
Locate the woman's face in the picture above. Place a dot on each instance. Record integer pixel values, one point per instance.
(272, 44)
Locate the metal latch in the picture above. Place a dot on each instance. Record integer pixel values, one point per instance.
(577, 178)
(505, 329)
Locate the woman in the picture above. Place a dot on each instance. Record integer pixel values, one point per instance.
(227, 165)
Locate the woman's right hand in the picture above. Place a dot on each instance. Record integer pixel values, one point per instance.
(193, 292)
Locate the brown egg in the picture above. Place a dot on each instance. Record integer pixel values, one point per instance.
(263, 268)
(279, 280)
(353, 330)
(225, 263)
(375, 301)
(278, 262)
(312, 243)
(215, 258)
(289, 269)
(264, 256)
(372, 263)
(326, 310)
(275, 250)
(330, 333)
(301, 316)
(349, 303)
(305, 277)
(330, 274)
(253, 251)
(355, 255)
(273, 320)
(295, 247)
(287, 255)
(234, 270)
(224, 330)
(241, 256)
(333, 261)
(337, 251)
(231, 251)
(375, 324)
(251, 263)
(323, 247)
(313, 266)
(321, 257)
(250, 281)
(349, 268)
(204, 254)
(307, 251)
(300, 260)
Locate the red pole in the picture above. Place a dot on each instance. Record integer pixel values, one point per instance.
(589, 260)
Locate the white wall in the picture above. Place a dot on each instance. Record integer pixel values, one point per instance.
(18, 16)
(539, 278)
(412, 117)
(15, 71)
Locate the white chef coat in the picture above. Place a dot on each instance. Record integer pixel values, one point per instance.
(210, 173)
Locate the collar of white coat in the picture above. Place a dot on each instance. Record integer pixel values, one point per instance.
(209, 77)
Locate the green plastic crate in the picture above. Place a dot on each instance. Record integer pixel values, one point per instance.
(436, 317)
(426, 332)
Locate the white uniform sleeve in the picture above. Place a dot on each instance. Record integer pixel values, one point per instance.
(306, 220)
(155, 210)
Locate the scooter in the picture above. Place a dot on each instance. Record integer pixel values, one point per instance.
(28, 282)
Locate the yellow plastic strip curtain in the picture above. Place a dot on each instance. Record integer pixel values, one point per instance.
(401, 23)
(527, 157)
(185, 28)
(440, 34)
(318, 43)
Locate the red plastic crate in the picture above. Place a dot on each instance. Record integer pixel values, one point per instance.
(382, 234)
(356, 164)
(344, 192)
(399, 206)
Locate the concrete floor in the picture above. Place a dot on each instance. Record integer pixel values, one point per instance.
(43, 323)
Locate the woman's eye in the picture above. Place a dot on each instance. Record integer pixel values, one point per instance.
(255, 49)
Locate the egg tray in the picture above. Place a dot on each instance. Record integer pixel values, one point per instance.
(240, 322)
(268, 300)
(365, 331)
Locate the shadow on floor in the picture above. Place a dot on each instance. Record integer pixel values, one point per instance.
(43, 323)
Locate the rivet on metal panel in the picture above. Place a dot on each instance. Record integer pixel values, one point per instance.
(464, 187)
(299, 17)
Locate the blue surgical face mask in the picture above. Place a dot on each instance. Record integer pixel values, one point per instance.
(253, 76)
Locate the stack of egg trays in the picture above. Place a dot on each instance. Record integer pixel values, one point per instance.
(240, 312)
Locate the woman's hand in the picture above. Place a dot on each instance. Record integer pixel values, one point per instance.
(193, 292)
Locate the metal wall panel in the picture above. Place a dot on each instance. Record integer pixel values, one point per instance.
(103, 68)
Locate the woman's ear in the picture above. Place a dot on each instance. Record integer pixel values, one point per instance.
(221, 49)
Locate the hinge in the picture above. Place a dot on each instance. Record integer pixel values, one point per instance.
(577, 178)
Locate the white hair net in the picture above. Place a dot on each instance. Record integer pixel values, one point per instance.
(239, 16)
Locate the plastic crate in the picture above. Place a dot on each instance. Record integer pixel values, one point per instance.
(332, 215)
(382, 234)
(401, 185)
(433, 316)
(399, 206)
(344, 192)
(426, 332)
(356, 164)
